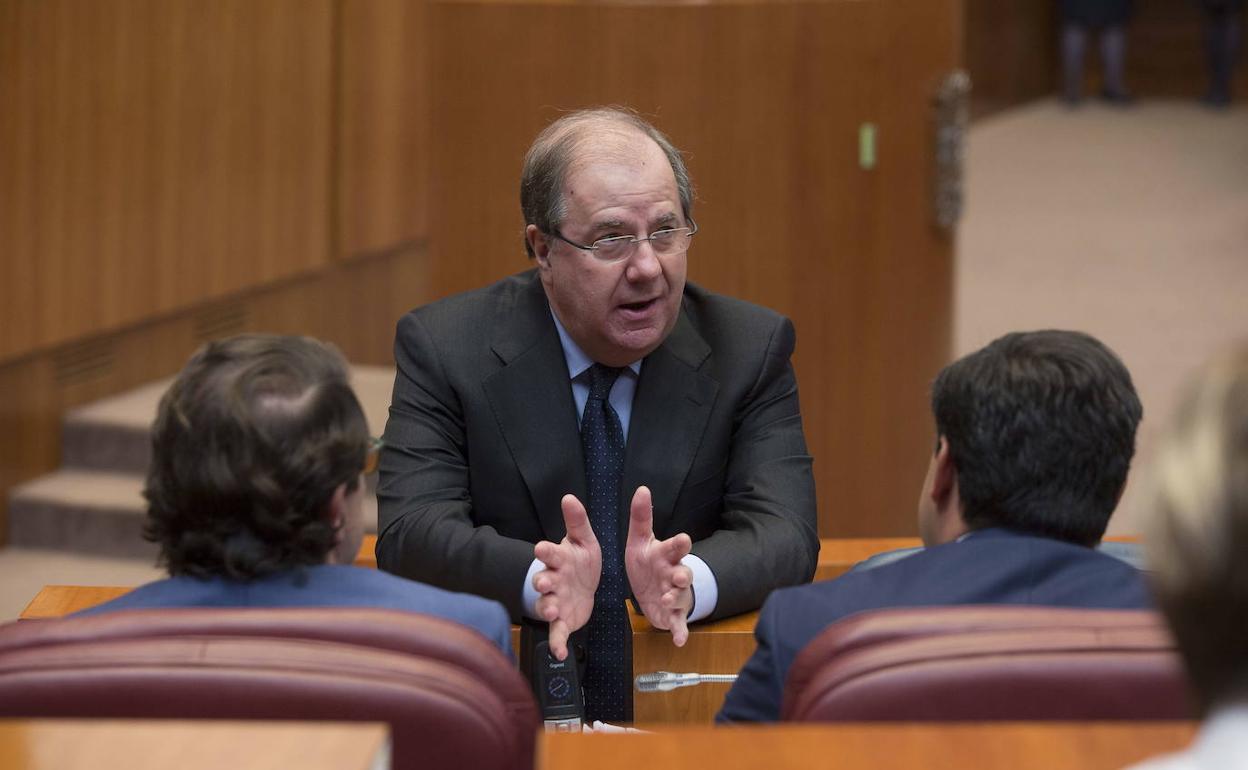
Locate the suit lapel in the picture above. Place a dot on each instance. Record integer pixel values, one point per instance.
(532, 401)
(670, 409)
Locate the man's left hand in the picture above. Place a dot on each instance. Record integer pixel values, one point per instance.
(661, 584)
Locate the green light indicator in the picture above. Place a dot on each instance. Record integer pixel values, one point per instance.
(866, 146)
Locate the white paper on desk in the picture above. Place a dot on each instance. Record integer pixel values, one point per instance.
(603, 727)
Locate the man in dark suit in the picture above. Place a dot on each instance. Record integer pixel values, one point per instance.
(256, 491)
(1035, 434)
(644, 433)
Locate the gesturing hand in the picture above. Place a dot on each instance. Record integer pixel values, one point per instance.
(660, 583)
(567, 585)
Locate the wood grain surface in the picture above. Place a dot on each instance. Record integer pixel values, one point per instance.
(382, 119)
(54, 601)
(163, 153)
(946, 746)
(134, 744)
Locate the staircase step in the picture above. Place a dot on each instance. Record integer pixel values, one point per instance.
(113, 434)
(95, 505)
(93, 512)
(82, 511)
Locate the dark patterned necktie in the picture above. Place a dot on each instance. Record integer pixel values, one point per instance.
(608, 673)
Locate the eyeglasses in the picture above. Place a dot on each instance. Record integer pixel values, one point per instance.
(373, 456)
(665, 242)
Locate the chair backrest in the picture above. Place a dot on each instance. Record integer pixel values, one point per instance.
(989, 663)
(450, 696)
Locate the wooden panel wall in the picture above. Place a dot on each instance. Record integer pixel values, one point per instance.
(907, 291)
(1011, 52)
(1165, 51)
(767, 100)
(163, 152)
(734, 89)
(173, 171)
(383, 115)
(199, 165)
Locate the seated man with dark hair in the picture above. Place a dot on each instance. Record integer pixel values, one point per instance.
(1196, 539)
(256, 492)
(1035, 434)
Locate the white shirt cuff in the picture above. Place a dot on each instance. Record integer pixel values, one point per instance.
(705, 589)
(530, 595)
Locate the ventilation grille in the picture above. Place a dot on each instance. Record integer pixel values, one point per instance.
(84, 362)
(220, 321)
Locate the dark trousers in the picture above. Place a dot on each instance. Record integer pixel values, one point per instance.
(1223, 33)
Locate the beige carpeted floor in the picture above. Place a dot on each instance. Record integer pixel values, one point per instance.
(24, 571)
(1129, 224)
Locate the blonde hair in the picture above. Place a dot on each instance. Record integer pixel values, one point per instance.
(1197, 534)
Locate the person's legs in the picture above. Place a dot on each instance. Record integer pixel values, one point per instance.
(1232, 36)
(1074, 42)
(1222, 39)
(1113, 60)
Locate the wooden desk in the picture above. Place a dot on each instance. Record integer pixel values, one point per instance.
(56, 601)
(836, 554)
(367, 555)
(1018, 746)
(133, 744)
(721, 647)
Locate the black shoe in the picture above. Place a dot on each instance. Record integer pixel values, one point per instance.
(1218, 100)
(1117, 98)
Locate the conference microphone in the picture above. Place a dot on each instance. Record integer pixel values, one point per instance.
(556, 683)
(662, 681)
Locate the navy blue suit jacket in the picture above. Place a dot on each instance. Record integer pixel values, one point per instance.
(990, 566)
(327, 585)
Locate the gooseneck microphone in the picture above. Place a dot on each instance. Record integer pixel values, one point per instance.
(662, 681)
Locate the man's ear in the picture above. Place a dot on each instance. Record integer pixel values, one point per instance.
(336, 511)
(540, 245)
(945, 476)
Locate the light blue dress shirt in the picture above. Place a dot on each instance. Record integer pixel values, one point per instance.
(705, 588)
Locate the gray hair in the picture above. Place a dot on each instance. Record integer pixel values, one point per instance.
(553, 151)
(1197, 532)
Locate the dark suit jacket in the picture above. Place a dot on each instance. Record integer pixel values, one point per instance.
(322, 586)
(483, 441)
(991, 566)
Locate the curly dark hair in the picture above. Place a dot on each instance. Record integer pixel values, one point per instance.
(249, 444)
(1041, 428)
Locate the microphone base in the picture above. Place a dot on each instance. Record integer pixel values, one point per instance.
(572, 725)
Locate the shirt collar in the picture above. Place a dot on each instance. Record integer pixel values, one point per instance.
(577, 361)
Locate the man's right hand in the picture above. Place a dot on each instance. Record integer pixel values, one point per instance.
(567, 585)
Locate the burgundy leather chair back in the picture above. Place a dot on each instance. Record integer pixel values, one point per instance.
(452, 699)
(989, 663)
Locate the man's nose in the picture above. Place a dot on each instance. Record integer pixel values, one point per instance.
(643, 263)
